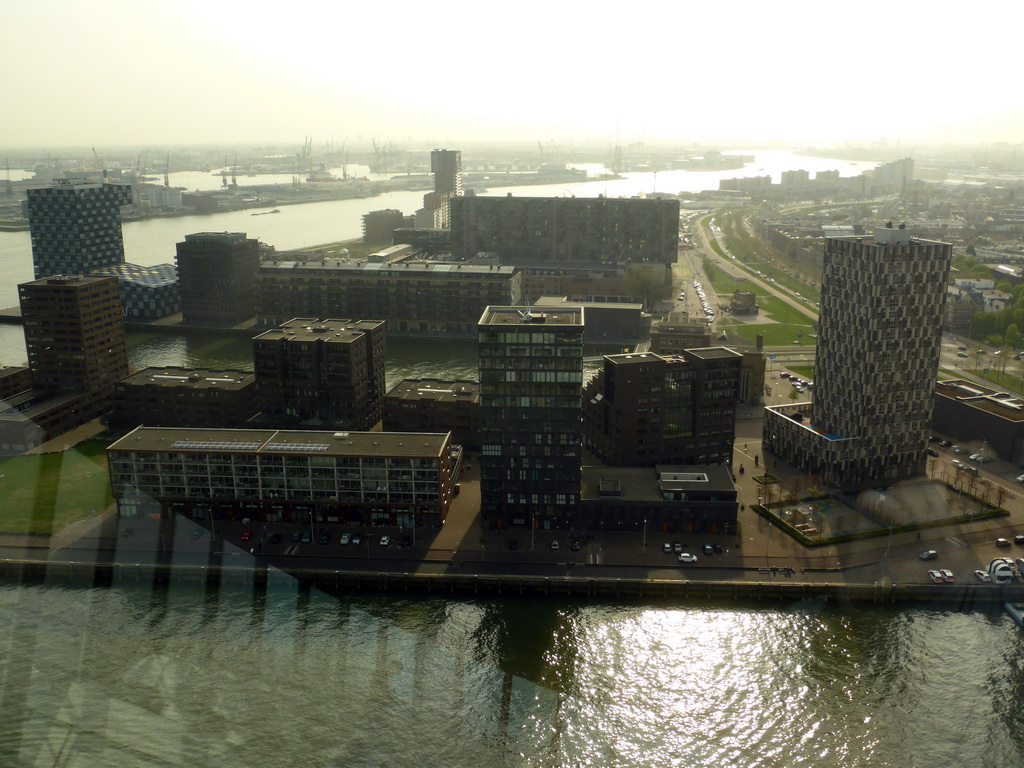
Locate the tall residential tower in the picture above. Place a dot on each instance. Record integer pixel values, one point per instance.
(878, 351)
(531, 376)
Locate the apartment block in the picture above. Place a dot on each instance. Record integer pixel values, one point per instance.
(531, 374)
(566, 229)
(303, 477)
(879, 339)
(321, 373)
(217, 278)
(644, 409)
(431, 405)
(416, 298)
(183, 397)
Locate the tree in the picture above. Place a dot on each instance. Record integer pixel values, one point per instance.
(1012, 337)
(971, 252)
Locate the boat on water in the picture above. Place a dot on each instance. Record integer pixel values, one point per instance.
(264, 213)
(1016, 612)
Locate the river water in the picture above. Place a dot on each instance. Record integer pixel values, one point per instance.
(179, 676)
(141, 676)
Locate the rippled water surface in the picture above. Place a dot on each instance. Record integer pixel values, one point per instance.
(144, 676)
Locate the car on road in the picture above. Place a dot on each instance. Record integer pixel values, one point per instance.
(405, 542)
(717, 548)
(971, 470)
(666, 548)
(307, 536)
(961, 354)
(677, 547)
(936, 577)
(929, 554)
(933, 452)
(247, 534)
(708, 550)
(575, 546)
(554, 544)
(686, 557)
(956, 449)
(1001, 542)
(1020, 479)
(957, 463)
(323, 539)
(345, 538)
(947, 576)
(297, 536)
(945, 443)
(127, 531)
(982, 576)
(385, 541)
(1019, 540)
(357, 538)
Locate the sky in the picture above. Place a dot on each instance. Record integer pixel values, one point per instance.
(180, 72)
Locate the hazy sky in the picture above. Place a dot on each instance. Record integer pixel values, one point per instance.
(145, 72)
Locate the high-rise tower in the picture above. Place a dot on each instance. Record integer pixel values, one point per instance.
(76, 227)
(879, 339)
(531, 377)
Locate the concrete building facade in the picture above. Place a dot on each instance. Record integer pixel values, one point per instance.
(879, 338)
(430, 405)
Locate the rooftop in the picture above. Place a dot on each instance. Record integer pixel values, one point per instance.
(524, 316)
(293, 442)
(192, 378)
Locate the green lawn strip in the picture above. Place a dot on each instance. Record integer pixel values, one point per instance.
(802, 371)
(775, 335)
(44, 493)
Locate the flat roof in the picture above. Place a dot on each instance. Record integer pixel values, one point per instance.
(293, 442)
(436, 389)
(525, 316)
(394, 268)
(979, 396)
(194, 378)
(313, 329)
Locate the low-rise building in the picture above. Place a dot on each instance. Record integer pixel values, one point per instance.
(183, 397)
(431, 405)
(303, 477)
(657, 500)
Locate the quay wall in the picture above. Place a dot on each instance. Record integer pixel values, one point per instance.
(88, 574)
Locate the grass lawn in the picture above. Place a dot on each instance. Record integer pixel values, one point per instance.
(44, 493)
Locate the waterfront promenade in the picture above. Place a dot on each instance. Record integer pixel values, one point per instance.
(760, 561)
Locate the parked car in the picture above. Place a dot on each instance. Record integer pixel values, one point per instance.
(554, 544)
(307, 536)
(385, 541)
(677, 547)
(717, 548)
(1020, 479)
(297, 536)
(247, 534)
(666, 548)
(957, 463)
(1001, 542)
(1019, 540)
(345, 538)
(708, 550)
(323, 539)
(575, 546)
(929, 554)
(686, 557)
(932, 452)
(982, 576)
(947, 575)
(357, 538)
(275, 538)
(936, 576)
(972, 470)
(944, 443)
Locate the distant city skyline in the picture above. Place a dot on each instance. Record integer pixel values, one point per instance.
(186, 72)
